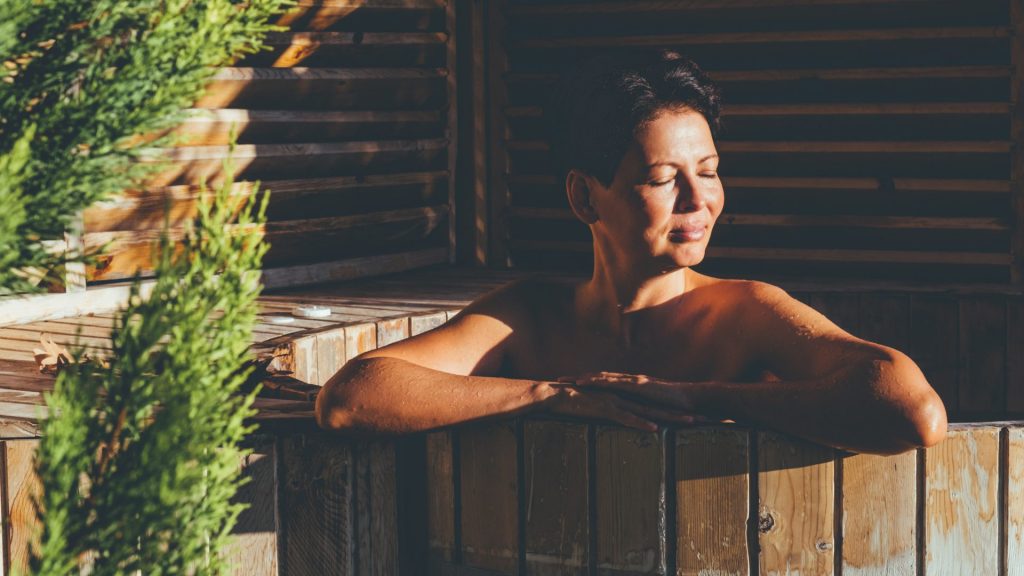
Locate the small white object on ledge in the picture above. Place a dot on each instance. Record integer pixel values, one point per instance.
(279, 319)
(311, 311)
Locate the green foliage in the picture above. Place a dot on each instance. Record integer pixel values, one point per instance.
(91, 77)
(140, 460)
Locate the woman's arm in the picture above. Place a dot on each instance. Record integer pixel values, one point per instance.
(449, 376)
(834, 388)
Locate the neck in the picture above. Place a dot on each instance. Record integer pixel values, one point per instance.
(616, 296)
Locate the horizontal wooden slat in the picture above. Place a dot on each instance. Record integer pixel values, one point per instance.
(216, 126)
(194, 164)
(799, 220)
(859, 109)
(871, 35)
(354, 38)
(868, 256)
(243, 74)
(775, 182)
(372, 4)
(285, 277)
(148, 208)
(828, 147)
(789, 75)
(684, 5)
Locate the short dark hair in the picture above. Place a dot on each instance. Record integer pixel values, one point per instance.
(596, 110)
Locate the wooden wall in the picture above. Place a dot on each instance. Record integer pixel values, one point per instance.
(348, 119)
(863, 139)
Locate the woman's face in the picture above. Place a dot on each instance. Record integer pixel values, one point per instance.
(666, 194)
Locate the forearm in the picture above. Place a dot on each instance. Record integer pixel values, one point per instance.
(879, 408)
(392, 396)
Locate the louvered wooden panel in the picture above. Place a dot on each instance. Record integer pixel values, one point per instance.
(345, 119)
(861, 139)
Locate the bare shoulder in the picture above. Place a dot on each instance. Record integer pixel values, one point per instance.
(479, 338)
(792, 339)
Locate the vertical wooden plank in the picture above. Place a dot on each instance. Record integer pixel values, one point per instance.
(440, 499)
(376, 508)
(304, 359)
(982, 386)
(879, 519)
(452, 131)
(934, 343)
(21, 484)
(796, 506)
(315, 494)
(426, 322)
(359, 338)
(713, 503)
(253, 549)
(393, 330)
(885, 319)
(1017, 136)
(842, 308)
(74, 271)
(330, 354)
(1015, 502)
(1014, 358)
(489, 493)
(481, 185)
(962, 519)
(630, 502)
(497, 66)
(554, 481)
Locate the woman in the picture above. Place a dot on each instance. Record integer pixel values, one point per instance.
(646, 339)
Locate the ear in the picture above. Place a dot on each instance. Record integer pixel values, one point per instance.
(579, 189)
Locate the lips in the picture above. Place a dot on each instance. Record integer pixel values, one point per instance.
(692, 233)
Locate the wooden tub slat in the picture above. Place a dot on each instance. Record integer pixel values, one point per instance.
(376, 508)
(316, 505)
(19, 517)
(555, 486)
(253, 550)
(712, 486)
(1015, 502)
(982, 355)
(440, 500)
(961, 505)
(489, 494)
(879, 515)
(330, 354)
(797, 502)
(630, 501)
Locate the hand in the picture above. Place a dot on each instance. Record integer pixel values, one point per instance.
(662, 392)
(570, 401)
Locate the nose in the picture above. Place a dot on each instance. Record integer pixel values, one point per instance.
(688, 194)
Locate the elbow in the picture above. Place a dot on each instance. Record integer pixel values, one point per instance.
(928, 422)
(333, 409)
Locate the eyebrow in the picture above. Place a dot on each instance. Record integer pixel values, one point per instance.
(701, 161)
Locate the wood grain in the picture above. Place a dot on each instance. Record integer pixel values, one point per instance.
(712, 502)
(961, 503)
(376, 508)
(316, 508)
(982, 382)
(420, 323)
(390, 331)
(1015, 501)
(489, 495)
(842, 309)
(304, 358)
(253, 550)
(555, 489)
(359, 338)
(879, 528)
(630, 500)
(330, 354)
(885, 319)
(21, 485)
(796, 506)
(440, 499)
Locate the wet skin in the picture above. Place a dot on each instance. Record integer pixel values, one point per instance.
(646, 340)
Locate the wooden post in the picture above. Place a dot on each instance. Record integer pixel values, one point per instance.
(1017, 135)
(497, 63)
(453, 124)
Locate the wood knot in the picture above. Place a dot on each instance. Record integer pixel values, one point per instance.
(823, 545)
(765, 522)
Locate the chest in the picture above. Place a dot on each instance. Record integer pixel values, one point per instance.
(700, 345)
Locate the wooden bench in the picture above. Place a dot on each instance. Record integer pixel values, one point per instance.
(540, 496)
